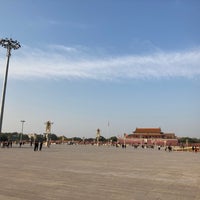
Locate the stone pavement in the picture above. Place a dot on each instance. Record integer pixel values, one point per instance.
(97, 173)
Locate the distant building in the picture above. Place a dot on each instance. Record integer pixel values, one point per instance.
(151, 133)
(149, 136)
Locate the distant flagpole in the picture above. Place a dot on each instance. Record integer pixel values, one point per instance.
(108, 131)
(108, 128)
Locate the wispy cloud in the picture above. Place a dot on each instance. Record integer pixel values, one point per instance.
(57, 62)
(70, 24)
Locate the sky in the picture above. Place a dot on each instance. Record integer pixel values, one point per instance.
(108, 64)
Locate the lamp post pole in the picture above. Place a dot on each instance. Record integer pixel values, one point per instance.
(48, 132)
(98, 136)
(22, 121)
(8, 44)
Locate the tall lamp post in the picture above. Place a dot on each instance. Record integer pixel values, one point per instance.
(98, 136)
(48, 131)
(8, 44)
(22, 121)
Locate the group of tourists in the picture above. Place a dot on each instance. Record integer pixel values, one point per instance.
(6, 144)
(194, 148)
(38, 145)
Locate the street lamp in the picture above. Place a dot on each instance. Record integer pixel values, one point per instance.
(22, 121)
(48, 131)
(98, 136)
(8, 44)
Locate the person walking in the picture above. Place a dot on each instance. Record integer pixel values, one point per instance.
(36, 145)
(41, 144)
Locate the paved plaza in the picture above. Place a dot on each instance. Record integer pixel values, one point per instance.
(78, 172)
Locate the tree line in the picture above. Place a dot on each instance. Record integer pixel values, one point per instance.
(15, 136)
(189, 140)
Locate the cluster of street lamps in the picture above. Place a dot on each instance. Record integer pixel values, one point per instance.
(9, 44)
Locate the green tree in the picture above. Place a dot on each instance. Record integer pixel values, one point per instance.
(53, 137)
(113, 138)
(102, 139)
(3, 137)
(189, 140)
(77, 139)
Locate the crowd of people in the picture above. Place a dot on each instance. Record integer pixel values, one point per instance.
(38, 144)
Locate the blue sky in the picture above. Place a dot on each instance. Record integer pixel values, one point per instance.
(84, 63)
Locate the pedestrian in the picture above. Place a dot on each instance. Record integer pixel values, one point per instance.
(36, 145)
(20, 144)
(41, 143)
(193, 148)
